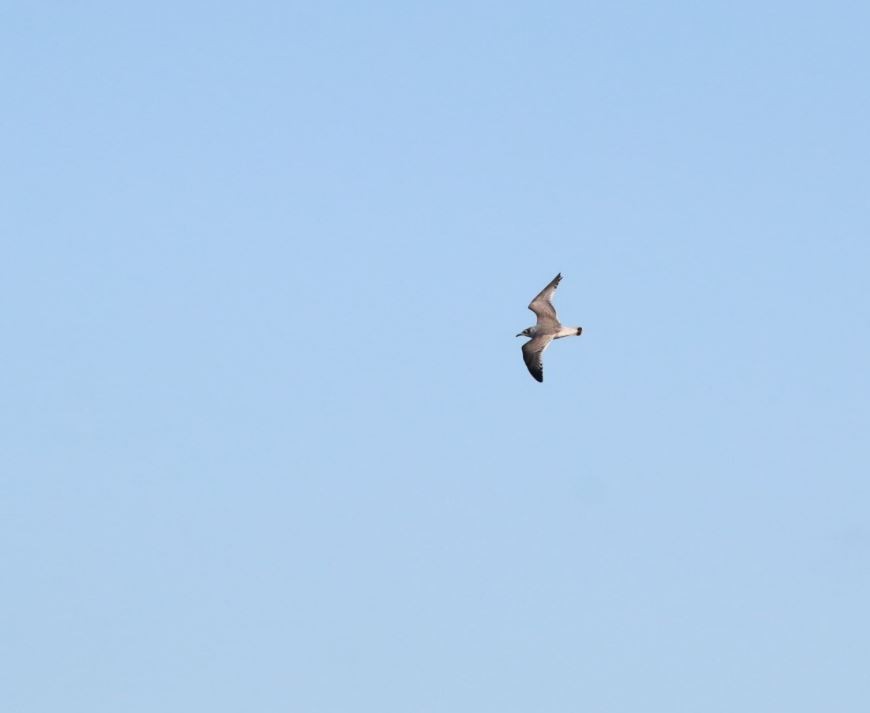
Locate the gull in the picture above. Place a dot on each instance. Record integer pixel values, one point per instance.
(546, 330)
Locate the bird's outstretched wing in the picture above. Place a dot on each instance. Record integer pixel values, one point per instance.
(532, 351)
(542, 305)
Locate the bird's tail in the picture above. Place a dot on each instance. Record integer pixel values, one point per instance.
(569, 332)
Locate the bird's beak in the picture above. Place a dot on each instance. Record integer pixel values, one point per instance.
(520, 334)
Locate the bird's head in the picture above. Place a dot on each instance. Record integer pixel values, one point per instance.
(527, 332)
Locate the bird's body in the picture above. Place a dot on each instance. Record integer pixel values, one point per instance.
(545, 331)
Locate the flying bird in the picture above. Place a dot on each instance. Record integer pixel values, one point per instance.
(546, 330)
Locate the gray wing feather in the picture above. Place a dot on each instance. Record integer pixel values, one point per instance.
(532, 351)
(542, 305)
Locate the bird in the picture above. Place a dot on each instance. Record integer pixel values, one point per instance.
(546, 330)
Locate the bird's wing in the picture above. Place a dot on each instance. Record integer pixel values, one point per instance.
(532, 351)
(542, 305)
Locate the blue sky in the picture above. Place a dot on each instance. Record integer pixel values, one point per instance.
(268, 441)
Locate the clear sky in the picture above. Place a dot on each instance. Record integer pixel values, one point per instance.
(268, 443)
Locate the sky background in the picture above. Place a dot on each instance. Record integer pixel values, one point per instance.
(268, 443)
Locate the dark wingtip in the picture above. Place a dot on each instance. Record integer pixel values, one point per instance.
(579, 331)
